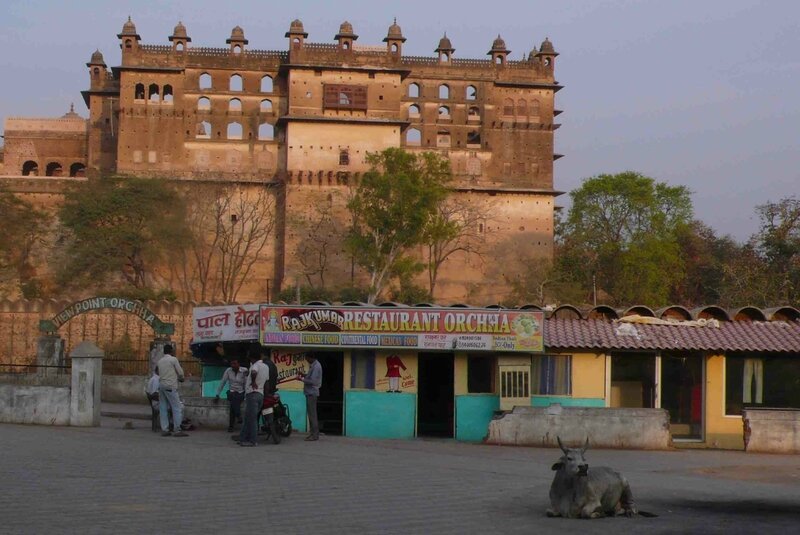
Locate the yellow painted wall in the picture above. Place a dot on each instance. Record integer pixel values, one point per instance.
(722, 431)
(588, 375)
(460, 374)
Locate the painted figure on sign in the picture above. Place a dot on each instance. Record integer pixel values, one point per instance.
(393, 365)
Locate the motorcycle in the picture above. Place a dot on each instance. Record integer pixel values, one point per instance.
(276, 421)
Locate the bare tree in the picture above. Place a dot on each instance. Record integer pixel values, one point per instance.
(457, 226)
(322, 238)
(245, 224)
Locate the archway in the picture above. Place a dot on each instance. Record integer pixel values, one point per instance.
(30, 168)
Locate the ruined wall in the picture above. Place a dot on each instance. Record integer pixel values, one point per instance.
(45, 147)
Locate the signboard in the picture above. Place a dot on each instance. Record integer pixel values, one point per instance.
(225, 323)
(402, 328)
(93, 304)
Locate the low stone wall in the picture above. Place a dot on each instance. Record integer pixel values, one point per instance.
(605, 427)
(772, 430)
(204, 412)
(42, 405)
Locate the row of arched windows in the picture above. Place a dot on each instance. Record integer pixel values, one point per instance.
(414, 138)
(153, 93)
(235, 83)
(520, 108)
(470, 93)
(473, 112)
(234, 104)
(31, 168)
(234, 130)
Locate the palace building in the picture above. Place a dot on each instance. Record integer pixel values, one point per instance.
(300, 122)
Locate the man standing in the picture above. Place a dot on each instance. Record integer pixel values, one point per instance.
(253, 400)
(170, 374)
(235, 377)
(311, 383)
(272, 384)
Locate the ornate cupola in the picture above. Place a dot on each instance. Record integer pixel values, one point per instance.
(445, 49)
(346, 36)
(179, 38)
(237, 40)
(394, 40)
(129, 39)
(547, 53)
(499, 52)
(296, 34)
(97, 69)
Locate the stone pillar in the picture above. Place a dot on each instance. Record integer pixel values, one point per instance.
(50, 352)
(87, 378)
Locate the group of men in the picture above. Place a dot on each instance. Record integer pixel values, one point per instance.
(245, 385)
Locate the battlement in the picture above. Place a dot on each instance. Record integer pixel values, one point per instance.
(39, 124)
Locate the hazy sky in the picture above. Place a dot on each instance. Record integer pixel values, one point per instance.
(699, 93)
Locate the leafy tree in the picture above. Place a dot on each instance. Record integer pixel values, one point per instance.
(778, 244)
(321, 237)
(622, 230)
(120, 227)
(23, 228)
(392, 208)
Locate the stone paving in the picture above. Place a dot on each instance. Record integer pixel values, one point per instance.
(112, 480)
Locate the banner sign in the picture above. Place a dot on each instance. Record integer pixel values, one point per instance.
(225, 323)
(403, 328)
(93, 304)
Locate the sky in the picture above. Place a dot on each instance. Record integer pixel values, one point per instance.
(699, 93)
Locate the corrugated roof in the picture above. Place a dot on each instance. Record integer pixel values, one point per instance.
(766, 336)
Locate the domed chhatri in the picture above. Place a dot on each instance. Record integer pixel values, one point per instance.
(71, 113)
(179, 31)
(498, 45)
(395, 33)
(547, 47)
(128, 30)
(296, 28)
(445, 45)
(97, 58)
(237, 36)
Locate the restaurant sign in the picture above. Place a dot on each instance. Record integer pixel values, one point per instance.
(225, 323)
(403, 328)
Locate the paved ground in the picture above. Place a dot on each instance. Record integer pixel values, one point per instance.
(112, 480)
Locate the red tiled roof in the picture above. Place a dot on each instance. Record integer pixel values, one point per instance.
(766, 336)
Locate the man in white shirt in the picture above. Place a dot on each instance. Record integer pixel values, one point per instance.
(254, 400)
(151, 389)
(170, 374)
(235, 377)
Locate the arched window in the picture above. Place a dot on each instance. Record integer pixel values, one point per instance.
(535, 109)
(444, 91)
(413, 111)
(508, 107)
(413, 90)
(395, 48)
(234, 131)
(128, 44)
(152, 93)
(473, 139)
(413, 136)
(179, 47)
(237, 49)
(442, 138)
(138, 92)
(266, 106)
(30, 168)
(167, 96)
(472, 93)
(203, 103)
(234, 104)
(205, 81)
(522, 108)
(266, 131)
(266, 84)
(54, 169)
(473, 114)
(77, 170)
(96, 71)
(236, 83)
(203, 130)
(444, 112)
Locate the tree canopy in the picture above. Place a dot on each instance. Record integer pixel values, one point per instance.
(120, 228)
(393, 206)
(22, 228)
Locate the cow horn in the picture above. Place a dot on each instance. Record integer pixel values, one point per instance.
(560, 445)
(585, 446)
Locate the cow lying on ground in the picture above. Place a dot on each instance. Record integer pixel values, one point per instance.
(580, 492)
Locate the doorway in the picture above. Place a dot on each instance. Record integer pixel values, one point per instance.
(633, 380)
(435, 395)
(682, 394)
(330, 405)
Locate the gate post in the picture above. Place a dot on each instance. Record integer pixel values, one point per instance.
(50, 352)
(87, 378)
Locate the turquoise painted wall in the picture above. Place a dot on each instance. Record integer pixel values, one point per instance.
(296, 401)
(373, 414)
(473, 414)
(212, 375)
(546, 401)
